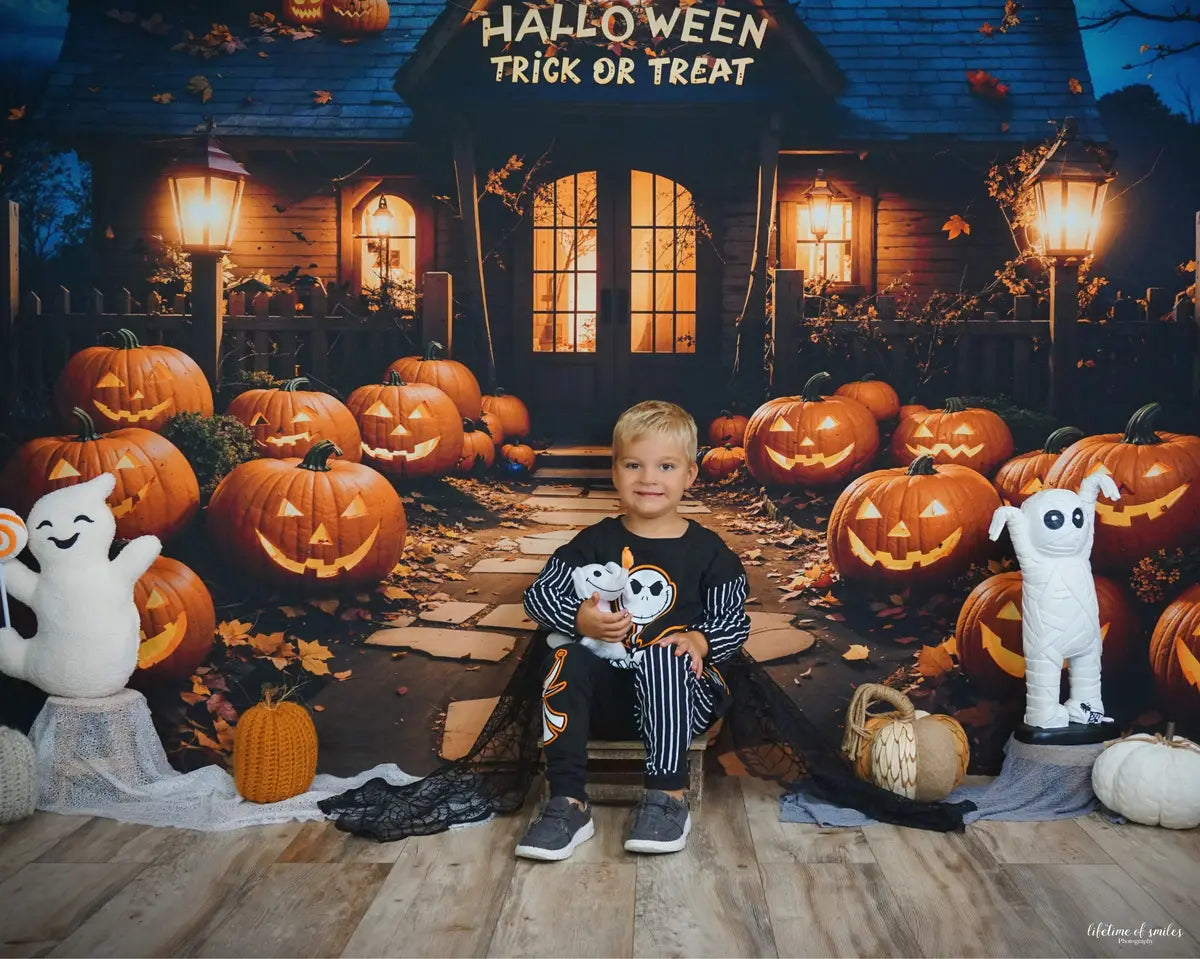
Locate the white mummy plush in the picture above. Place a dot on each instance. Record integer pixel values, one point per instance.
(1052, 534)
(608, 582)
(87, 638)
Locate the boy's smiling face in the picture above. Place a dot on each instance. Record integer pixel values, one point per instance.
(650, 475)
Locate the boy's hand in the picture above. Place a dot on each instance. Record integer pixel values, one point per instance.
(594, 621)
(692, 642)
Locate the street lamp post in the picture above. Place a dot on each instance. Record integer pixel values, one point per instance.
(1069, 186)
(206, 194)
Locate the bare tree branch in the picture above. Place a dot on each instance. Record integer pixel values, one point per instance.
(1127, 11)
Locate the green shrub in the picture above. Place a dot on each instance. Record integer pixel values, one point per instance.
(214, 445)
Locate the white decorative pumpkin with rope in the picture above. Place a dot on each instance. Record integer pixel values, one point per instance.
(906, 751)
(1153, 780)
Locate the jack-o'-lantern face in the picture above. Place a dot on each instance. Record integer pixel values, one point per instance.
(408, 429)
(134, 473)
(961, 445)
(129, 408)
(303, 12)
(318, 551)
(262, 427)
(156, 648)
(809, 450)
(289, 420)
(901, 556)
(1189, 665)
(404, 442)
(977, 438)
(1151, 507)
(359, 16)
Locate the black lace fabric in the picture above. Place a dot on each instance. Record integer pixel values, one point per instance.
(769, 734)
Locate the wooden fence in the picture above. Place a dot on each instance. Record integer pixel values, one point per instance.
(1147, 351)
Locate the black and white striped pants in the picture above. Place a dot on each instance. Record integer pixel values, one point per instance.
(659, 700)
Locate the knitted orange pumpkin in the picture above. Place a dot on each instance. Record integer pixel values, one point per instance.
(512, 413)
(131, 385)
(156, 489)
(449, 376)
(1024, 475)
(274, 751)
(897, 527)
(722, 461)
(875, 395)
(1175, 654)
(479, 452)
(308, 523)
(1158, 475)
(178, 622)
(988, 633)
(810, 440)
(972, 437)
(727, 428)
(409, 429)
(288, 421)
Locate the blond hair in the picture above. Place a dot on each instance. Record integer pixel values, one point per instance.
(656, 417)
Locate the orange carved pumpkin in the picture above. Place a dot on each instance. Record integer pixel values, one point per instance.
(911, 409)
(520, 454)
(988, 632)
(449, 376)
(131, 385)
(722, 461)
(178, 622)
(875, 395)
(354, 17)
(408, 429)
(512, 413)
(1024, 475)
(156, 489)
(313, 522)
(479, 451)
(304, 13)
(1175, 655)
(810, 440)
(1158, 475)
(288, 421)
(920, 525)
(491, 422)
(972, 437)
(727, 428)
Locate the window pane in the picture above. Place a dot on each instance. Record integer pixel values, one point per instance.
(564, 340)
(585, 191)
(664, 249)
(664, 291)
(642, 252)
(390, 260)
(664, 333)
(585, 293)
(685, 292)
(543, 332)
(641, 333)
(664, 202)
(565, 201)
(564, 256)
(641, 187)
(685, 332)
(642, 292)
(663, 264)
(543, 249)
(586, 329)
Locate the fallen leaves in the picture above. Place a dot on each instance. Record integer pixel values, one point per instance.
(956, 226)
(1074, 85)
(199, 86)
(934, 661)
(16, 113)
(313, 656)
(986, 86)
(856, 652)
(166, 97)
(321, 97)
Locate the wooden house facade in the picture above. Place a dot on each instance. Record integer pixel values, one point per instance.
(628, 245)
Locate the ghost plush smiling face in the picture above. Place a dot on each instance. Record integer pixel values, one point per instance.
(73, 525)
(648, 595)
(606, 579)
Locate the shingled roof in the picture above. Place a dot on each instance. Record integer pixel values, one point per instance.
(905, 70)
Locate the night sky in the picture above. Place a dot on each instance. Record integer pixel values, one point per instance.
(30, 30)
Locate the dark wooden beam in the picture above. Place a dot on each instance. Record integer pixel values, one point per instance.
(751, 323)
(468, 210)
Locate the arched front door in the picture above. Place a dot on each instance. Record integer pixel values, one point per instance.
(608, 310)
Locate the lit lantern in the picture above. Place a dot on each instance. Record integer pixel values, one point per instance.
(206, 192)
(820, 197)
(383, 219)
(1069, 185)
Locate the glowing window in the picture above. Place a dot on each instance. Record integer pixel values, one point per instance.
(830, 257)
(564, 265)
(663, 274)
(390, 260)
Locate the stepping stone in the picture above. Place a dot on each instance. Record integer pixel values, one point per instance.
(465, 719)
(601, 504)
(760, 621)
(568, 518)
(768, 644)
(558, 490)
(495, 565)
(453, 612)
(445, 643)
(543, 544)
(508, 616)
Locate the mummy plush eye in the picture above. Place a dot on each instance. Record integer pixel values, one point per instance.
(1077, 518)
(1054, 519)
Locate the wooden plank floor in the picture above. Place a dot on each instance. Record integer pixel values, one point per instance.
(747, 885)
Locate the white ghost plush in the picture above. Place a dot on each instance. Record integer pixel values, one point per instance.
(87, 637)
(608, 582)
(1052, 534)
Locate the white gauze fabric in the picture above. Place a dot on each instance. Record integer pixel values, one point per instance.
(103, 757)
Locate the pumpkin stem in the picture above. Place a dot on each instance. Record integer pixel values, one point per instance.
(955, 404)
(291, 385)
(726, 414)
(1170, 733)
(923, 465)
(812, 389)
(394, 379)
(434, 350)
(129, 340)
(1140, 428)
(317, 458)
(87, 430)
(468, 425)
(1061, 438)
(866, 376)
(500, 391)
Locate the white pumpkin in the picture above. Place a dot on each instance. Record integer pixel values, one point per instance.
(1153, 780)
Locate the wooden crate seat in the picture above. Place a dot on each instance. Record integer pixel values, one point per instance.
(616, 767)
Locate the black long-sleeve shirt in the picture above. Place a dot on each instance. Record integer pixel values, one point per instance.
(693, 581)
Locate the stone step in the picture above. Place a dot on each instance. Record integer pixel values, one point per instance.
(572, 473)
(580, 456)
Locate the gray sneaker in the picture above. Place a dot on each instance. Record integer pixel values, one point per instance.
(660, 824)
(554, 835)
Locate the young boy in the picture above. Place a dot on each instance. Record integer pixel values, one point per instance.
(682, 612)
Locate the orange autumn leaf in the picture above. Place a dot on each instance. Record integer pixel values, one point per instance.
(343, 675)
(163, 97)
(16, 113)
(1074, 86)
(207, 741)
(313, 656)
(329, 606)
(856, 652)
(933, 661)
(950, 645)
(267, 643)
(984, 85)
(321, 97)
(234, 632)
(956, 226)
(987, 29)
